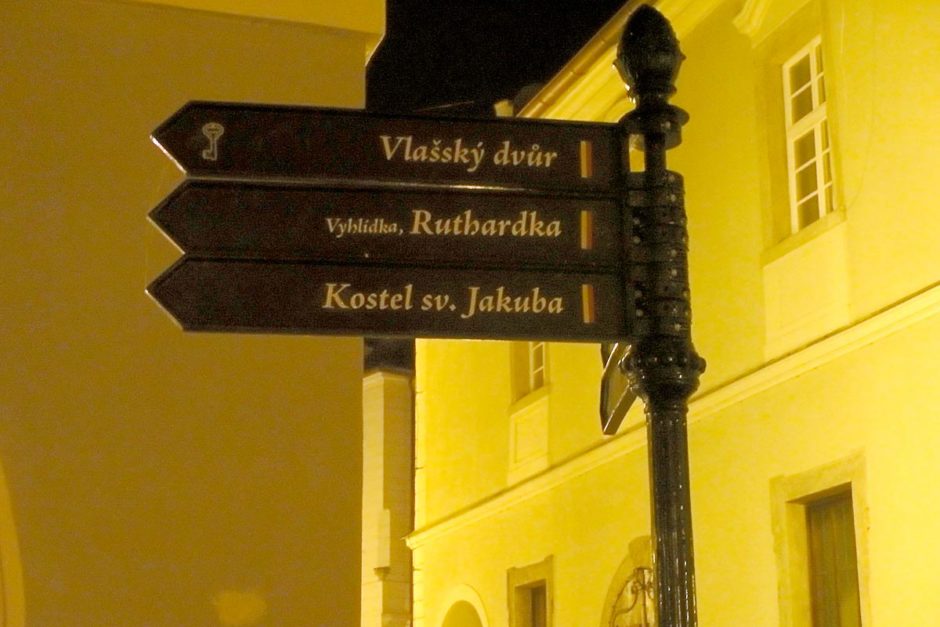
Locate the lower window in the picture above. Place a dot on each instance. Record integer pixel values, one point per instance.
(833, 565)
(821, 539)
(530, 595)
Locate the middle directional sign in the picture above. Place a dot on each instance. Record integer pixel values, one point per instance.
(329, 221)
(225, 219)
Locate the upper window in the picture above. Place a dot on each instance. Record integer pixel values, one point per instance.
(528, 368)
(809, 163)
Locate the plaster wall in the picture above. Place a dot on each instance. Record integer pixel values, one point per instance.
(157, 477)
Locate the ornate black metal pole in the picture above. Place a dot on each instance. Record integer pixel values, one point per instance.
(663, 367)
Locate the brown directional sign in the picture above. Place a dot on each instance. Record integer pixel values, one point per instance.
(279, 142)
(223, 219)
(303, 297)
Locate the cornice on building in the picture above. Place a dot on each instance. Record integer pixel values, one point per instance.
(365, 17)
(589, 87)
(898, 317)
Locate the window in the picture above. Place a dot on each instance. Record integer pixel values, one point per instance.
(833, 565)
(809, 162)
(805, 233)
(820, 538)
(530, 595)
(528, 368)
(528, 410)
(537, 607)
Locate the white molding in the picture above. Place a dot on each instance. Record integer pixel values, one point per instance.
(759, 18)
(465, 593)
(897, 317)
(685, 15)
(751, 16)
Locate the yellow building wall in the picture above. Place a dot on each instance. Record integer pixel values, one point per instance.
(847, 395)
(157, 477)
(365, 17)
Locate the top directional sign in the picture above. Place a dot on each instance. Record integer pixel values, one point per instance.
(263, 142)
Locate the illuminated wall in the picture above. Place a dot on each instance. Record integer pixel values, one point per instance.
(157, 477)
(822, 347)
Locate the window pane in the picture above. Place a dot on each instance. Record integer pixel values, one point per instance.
(808, 211)
(536, 365)
(801, 105)
(538, 380)
(539, 609)
(799, 74)
(805, 148)
(806, 182)
(821, 89)
(830, 528)
(519, 365)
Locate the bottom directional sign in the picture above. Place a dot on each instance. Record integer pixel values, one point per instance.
(304, 297)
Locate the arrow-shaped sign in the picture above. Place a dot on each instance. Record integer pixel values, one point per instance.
(285, 297)
(223, 219)
(304, 143)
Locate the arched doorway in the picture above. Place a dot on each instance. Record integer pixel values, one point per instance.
(630, 600)
(462, 614)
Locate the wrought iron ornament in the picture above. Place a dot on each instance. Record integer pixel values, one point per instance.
(663, 367)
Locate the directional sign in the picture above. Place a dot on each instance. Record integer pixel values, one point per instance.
(264, 142)
(222, 219)
(301, 297)
(616, 394)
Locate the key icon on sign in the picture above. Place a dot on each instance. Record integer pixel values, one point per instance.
(213, 131)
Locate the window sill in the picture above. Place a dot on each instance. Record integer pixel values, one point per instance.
(528, 436)
(806, 286)
(798, 239)
(529, 399)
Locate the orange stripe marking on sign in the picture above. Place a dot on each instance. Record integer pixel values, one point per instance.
(587, 230)
(587, 159)
(587, 303)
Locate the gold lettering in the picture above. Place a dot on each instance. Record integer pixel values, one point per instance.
(333, 296)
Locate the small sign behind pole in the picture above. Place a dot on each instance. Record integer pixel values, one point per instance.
(616, 395)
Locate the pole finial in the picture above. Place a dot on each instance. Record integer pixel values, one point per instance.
(649, 55)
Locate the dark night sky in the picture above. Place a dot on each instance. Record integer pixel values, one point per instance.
(441, 52)
(438, 52)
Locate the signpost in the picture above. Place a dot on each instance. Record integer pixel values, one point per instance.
(330, 221)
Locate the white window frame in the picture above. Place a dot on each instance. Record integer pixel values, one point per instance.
(538, 354)
(528, 411)
(816, 122)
